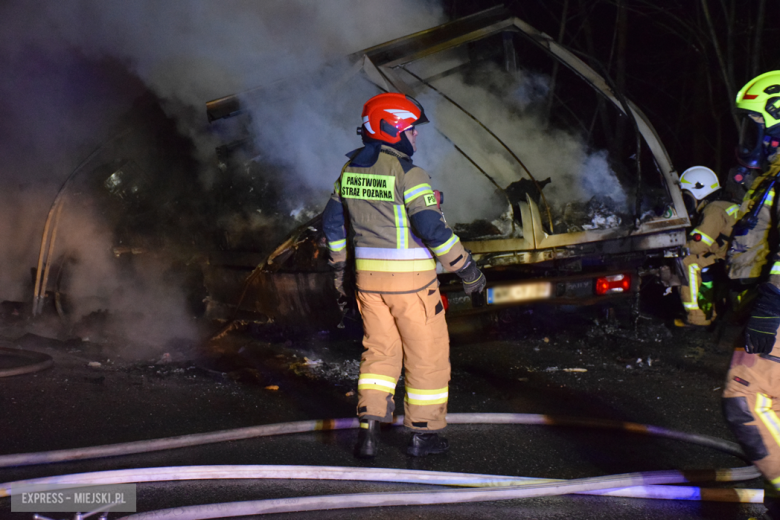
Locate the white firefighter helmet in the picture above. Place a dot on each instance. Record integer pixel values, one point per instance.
(700, 181)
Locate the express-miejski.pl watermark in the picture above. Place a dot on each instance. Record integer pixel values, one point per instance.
(65, 498)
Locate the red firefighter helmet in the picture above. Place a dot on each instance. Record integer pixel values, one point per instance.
(386, 115)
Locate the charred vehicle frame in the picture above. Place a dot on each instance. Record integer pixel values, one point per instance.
(292, 284)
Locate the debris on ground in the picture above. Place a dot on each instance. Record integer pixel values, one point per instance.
(94, 364)
(643, 332)
(344, 371)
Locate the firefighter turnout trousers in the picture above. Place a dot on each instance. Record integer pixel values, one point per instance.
(404, 330)
(751, 404)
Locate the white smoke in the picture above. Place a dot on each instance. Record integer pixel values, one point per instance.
(72, 68)
(512, 113)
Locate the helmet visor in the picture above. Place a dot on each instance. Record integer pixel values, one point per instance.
(422, 119)
(751, 140)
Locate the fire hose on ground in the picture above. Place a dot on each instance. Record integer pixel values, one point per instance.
(34, 361)
(489, 487)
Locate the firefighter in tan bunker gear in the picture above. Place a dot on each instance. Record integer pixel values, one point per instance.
(707, 245)
(751, 398)
(397, 233)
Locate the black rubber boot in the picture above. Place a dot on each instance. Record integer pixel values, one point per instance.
(422, 444)
(367, 445)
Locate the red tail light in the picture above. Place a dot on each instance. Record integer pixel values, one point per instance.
(445, 301)
(613, 284)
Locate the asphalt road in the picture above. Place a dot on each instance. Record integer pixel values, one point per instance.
(645, 372)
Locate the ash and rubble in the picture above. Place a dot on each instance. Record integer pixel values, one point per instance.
(642, 330)
(596, 213)
(477, 229)
(344, 372)
(600, 212)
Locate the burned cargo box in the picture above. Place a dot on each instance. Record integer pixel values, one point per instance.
(292, 287)
(556, 182)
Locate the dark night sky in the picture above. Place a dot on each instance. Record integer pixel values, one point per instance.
(671, 67)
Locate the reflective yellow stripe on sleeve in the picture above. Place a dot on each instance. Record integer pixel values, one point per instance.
(768, 416)
(446, 246)
(417, 191)
(775, 268)
(426, 397)
(693, 286)
(337, 245)
(377, 382)
(732, 210)
(704, 236)
(770, 198)
(776, 483)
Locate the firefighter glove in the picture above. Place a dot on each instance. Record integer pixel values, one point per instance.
(473, 279)
(338, 277)
(764, 321)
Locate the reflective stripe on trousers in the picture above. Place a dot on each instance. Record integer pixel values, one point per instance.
(693, 286)
(426, 397)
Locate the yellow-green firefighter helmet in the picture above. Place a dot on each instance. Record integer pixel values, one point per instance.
(762, 96)
(758, 106)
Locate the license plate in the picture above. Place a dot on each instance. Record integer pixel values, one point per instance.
(519, 293)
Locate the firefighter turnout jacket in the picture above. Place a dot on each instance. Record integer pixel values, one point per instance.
(707, 244)
(396, 226)
(751, 398)
(397, 233)
(751, 250)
